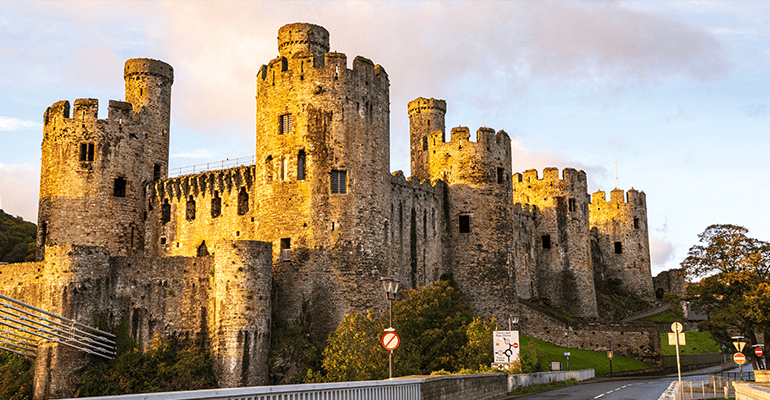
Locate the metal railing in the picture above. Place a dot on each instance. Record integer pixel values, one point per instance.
(397, 389)
(212, 166)
(23, 325)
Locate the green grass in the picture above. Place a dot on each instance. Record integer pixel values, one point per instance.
(668, 316)
(586, 359)
(697, 342)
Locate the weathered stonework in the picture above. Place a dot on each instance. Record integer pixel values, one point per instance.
(228, 256)
(671, 281)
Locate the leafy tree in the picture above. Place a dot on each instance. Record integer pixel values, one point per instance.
(17, 239)
(734, 273)
(15, 376)
(437, 331)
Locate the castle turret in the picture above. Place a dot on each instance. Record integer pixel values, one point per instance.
(425, 117)
(622, 240)
(93, 171)
(322, 159)
(564, 271)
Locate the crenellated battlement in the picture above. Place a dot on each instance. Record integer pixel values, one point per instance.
(525, 209)
(487, 141)
(303, 37)
(120, 115)
(180, 188)
(550, 175)
(421, 104)
(618, 196)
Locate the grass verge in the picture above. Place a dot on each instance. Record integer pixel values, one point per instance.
(586, 359)
(697, 343)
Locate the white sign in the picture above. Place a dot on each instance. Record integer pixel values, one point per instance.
(676, 327)
(672, 339)
(506, 346)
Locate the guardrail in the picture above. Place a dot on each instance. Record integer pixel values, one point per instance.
(212, 166)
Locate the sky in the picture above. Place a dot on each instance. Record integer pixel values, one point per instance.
(675, 92)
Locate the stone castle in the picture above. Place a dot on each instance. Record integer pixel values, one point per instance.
(228, 255)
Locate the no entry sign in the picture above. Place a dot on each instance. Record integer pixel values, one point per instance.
(758, 351)
(390, 340)
(739, 358)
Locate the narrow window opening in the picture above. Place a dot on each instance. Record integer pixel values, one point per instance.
(424, 225)
(618, 247)
(636, 223)
(284, 124)
(302, 66)
(336, 72)
(465, 223)
(286, 249)
(156, 172)
(243, 201)
(162, 240)
(386, 238)
(216, 205)
(572, 205)
(546, 239)
(461, 144)
(301, 165)
(165, 213)
(269, 169)
(190, 209)
(83, 116)
(500, 176)
(203, 251)
(339, 182)
(86, 152)
(332, 226)
(141, 92)
(119, 189)
(149, 204)
(425, 143)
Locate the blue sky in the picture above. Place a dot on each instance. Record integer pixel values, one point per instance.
(676, 92)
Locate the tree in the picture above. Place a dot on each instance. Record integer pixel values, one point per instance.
(734, 273)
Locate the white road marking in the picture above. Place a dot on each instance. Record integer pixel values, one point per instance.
(599, 396)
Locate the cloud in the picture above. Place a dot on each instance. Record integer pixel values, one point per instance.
(661, 251)
(9, 124)
(525, 158)
(19, 186)
(196, 154)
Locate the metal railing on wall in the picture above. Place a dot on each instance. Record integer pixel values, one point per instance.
(22, 326)
(212, 166)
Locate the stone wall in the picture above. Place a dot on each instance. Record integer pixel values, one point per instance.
(671, 281)
(462, 387)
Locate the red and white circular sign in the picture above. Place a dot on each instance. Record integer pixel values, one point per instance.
(758, 351)
(390, 340)
(739, 358)
(515, 345)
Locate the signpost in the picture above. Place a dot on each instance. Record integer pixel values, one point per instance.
(506, 346)
(758, 351)
(739, 358)
(390, 340)
(677, 328)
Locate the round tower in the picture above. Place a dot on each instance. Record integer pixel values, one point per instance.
(563, 244)
(322, 173)
(148, 90)
(303, 37)
(425, 117)
(93, 171)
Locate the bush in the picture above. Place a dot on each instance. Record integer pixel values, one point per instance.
(15, 376)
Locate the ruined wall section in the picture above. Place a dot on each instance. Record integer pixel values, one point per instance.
(93, 171)
(426, 116)
(478, 215)
(623, 239)
(525, 250)
(415, 231)
(190, 213)
(565, 275)
(671, 281)
(322, 173)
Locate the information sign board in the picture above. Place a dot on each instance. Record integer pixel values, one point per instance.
(672, 339)
(505, 346)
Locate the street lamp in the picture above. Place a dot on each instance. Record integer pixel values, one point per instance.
(609, 352)
(515, 319)
(567, 330)
(391, 288)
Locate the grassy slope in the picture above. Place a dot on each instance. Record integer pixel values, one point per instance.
(585, 359)
(697, 342)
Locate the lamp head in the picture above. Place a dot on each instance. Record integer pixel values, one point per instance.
(515, 318)
(391, 287)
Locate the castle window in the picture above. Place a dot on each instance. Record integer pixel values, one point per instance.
(465, 223)
(636, 223)
(165, 213)
(119, 190)
(243, 201)
(425, 143)
(618, 247)
(86, 152)
(339, 182)
(301, 165)
(572, 205)
(284, 124)
(156, 172)
(269, 168)
(500, 176)
(216, 205)
(286, 249)
(203, 251)
(149, 204)
(190, 211)
(546, 239)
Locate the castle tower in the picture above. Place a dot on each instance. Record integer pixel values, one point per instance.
(622, 240)
(425, 117)
(93, 171)
(562, 241)
(478, 204)
(322, 172)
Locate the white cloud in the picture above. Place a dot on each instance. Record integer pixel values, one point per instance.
(661, 251)
(195, 154)
(19, 188)
(9, 124)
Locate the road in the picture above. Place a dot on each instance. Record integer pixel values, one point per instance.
(622, 389)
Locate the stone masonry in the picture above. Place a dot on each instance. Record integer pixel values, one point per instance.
(228, 256)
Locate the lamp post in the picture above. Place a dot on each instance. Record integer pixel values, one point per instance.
(567, 330)
(609, 352)
(391, 288)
